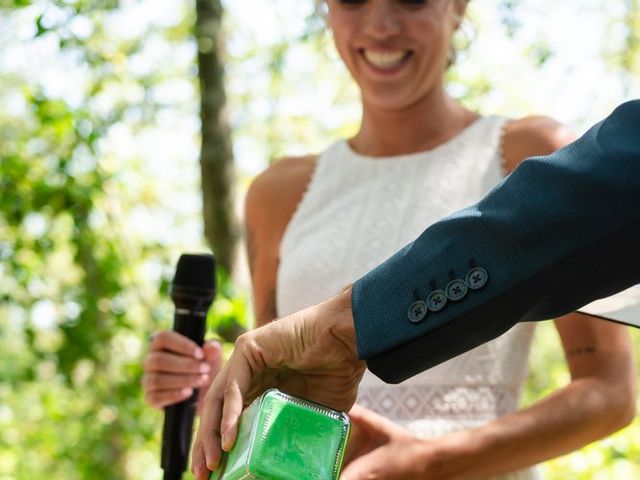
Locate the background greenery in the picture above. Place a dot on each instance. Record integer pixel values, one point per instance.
(99, 188)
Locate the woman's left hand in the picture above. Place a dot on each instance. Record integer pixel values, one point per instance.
(380, 449)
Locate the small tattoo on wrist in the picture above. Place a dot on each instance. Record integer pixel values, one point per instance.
(582, 351)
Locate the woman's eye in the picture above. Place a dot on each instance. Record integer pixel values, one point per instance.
(410, 2)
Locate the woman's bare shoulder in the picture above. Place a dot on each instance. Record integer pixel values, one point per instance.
(531, 136)
(286, 171)
(275, 193)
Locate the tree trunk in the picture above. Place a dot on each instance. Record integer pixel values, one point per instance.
(216, 157)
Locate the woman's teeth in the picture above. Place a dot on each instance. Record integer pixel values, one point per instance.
(385, 60)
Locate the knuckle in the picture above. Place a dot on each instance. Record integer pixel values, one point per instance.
(244, 341)
(152, 400)
(161, 338)
(229, 389)
(146, 364)
(186, 365)
(152, 382)
(150, 363)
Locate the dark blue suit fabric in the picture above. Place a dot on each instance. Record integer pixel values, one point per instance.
(557, 233)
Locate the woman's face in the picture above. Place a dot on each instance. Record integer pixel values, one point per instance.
(396, 50)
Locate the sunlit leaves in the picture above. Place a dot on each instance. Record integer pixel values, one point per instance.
(71, 296)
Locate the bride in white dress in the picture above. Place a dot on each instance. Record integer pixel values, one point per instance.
(317, 223)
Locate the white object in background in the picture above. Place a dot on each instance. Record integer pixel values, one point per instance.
(623, 307)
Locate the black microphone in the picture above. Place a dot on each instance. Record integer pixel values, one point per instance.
(192, 291)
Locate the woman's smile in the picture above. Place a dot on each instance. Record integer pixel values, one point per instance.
(385, 61)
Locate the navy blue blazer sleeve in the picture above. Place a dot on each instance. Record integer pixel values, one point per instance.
(557, 233)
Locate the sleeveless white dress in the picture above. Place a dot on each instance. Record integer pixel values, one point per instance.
(358, 211)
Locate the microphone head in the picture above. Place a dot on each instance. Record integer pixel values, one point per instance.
(196, 270)
(195, 278)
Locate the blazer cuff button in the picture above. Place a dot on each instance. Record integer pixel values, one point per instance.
(417, 311)
(436, 300)
(477, 278)
(456, 290)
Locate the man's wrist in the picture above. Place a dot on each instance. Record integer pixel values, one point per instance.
(343, 326)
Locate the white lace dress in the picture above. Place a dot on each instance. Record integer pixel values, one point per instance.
(357, 211)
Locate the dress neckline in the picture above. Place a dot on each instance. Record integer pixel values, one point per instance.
(442, 147)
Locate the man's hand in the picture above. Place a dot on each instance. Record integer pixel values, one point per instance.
(379, 449)
(310, 354)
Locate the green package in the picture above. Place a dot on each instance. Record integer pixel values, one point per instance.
(282, 437)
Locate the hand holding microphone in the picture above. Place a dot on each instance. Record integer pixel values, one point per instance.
(176, 366)
(175, 361)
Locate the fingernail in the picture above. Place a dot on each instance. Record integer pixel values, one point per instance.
(223, 440)
(204, 368)
(203, 380)
(186, 391)
(199, 354)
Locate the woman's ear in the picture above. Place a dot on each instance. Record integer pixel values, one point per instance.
(459, 9)
(322, 10)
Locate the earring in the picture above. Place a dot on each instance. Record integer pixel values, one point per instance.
(452, 55)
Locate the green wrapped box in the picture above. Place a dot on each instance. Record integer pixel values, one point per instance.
(282, 437)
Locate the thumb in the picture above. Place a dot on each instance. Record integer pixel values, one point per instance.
(212, 351)
(374, 425)
(360, 468)
(213, 356)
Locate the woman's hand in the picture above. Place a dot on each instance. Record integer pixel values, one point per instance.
(175, 366)
(380, 449)
(368, 432)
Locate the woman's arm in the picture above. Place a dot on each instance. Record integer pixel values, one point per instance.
(270, 203)
(599, 400)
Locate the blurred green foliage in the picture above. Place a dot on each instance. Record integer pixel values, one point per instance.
(77, 304)
(74, 310)
(80, 291)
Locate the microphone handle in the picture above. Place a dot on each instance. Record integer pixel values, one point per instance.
(178, 418)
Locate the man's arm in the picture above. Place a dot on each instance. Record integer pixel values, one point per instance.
(560, 231)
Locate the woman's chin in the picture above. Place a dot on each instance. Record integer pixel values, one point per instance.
(388, 101)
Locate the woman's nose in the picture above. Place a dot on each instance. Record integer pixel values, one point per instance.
(381, 19)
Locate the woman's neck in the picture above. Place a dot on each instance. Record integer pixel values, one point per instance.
(416, 128)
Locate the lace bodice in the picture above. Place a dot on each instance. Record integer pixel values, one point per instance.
(357, 211)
